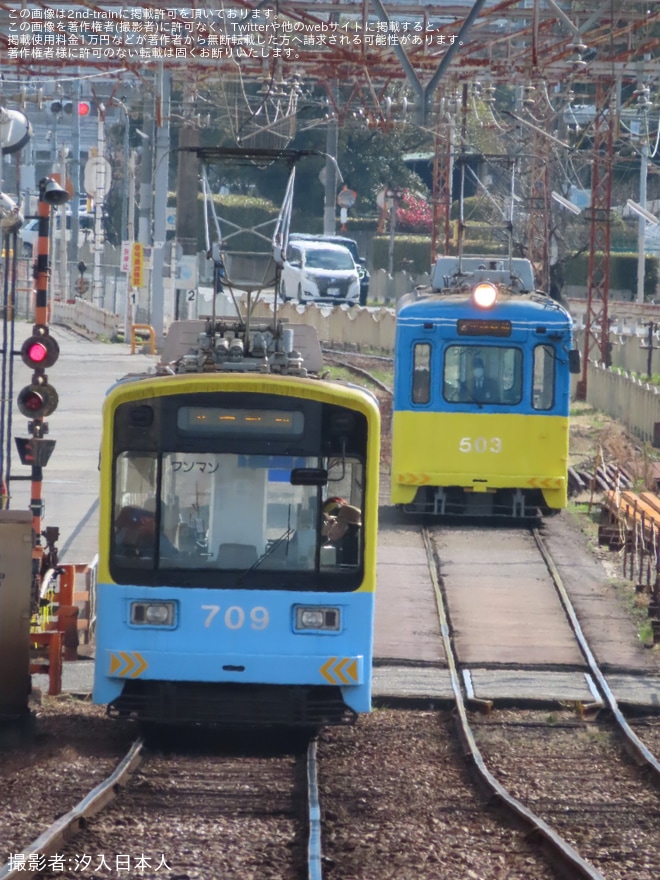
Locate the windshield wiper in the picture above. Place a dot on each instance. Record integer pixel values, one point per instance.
(285, 536)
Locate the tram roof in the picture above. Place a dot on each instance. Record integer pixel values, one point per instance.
(520, 309)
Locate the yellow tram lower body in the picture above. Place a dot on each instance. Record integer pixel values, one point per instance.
(479, 453)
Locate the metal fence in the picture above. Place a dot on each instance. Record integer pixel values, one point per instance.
(111, 296)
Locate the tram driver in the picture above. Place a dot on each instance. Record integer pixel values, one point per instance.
(135, 532)
(341, 528)
(479, 388)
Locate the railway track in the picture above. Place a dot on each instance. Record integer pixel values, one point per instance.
(568, 780)
(244, 812)
(343, 360)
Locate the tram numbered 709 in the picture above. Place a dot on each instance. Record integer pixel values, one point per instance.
(221, 598)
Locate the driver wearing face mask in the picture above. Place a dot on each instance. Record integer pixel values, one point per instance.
(480, 388)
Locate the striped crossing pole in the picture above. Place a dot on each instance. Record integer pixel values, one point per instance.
(40, 351)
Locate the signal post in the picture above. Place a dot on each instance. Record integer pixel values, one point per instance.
(39, 352)
(39, 399)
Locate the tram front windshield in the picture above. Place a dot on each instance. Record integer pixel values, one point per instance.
(225, 512)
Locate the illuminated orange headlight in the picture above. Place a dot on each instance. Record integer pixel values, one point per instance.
(485, 295)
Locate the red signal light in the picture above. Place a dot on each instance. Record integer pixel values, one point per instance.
(40, 350)
(37, 401)
(36, 352)
(84, 108)
(31, 400)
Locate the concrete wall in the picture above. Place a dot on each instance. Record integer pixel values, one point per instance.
(356, 327)
(625, 398)
(85, 316)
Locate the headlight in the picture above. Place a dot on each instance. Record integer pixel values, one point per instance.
(152, 613)
(324, 618)
(310, 284)
(485, 295)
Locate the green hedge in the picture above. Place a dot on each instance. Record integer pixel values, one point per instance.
(249, 211)
(413, 252)
(623, 272)
(245, 211)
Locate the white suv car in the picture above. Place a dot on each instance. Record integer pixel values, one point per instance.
(319, 272)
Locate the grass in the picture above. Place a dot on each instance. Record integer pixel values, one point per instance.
(582, 409)
(654, 379)
(383, 375)
(596, 417)
(636, 604)
(345, 375)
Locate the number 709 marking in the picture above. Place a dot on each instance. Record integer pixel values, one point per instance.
(234, 616)
(480, 444)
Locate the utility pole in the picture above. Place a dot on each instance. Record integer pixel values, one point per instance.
(331, 144)
(644, 104)
(160, 204)
(650, 349)
(130, 239)
(72, 247)
(143, 303)
(99, 185)
(187, 192)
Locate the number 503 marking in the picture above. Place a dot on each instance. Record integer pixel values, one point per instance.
(235, 616)
(480, 444)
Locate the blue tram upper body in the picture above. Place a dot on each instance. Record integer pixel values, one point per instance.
(466, 444)
(220, 597)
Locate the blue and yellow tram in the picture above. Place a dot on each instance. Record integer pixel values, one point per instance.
(224, 597)
(481, 394)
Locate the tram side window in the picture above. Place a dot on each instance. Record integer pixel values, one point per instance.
(421, 377)
(135, 507)
(543, 392)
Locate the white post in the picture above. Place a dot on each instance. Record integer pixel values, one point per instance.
(62, 252)
(130, 236)
(160, 207)
(99, 198)
(641, 223)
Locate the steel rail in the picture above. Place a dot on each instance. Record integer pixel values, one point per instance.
(633, 743)
(558, 851)
(358, 371)
(314, 857)
(60, 832)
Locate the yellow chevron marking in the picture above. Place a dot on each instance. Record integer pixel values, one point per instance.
(352, 671)
(142, 665)
(128, 661)
(340, 670)
(414, 479)
(325, 670)
(545, 483)
(124, 664)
